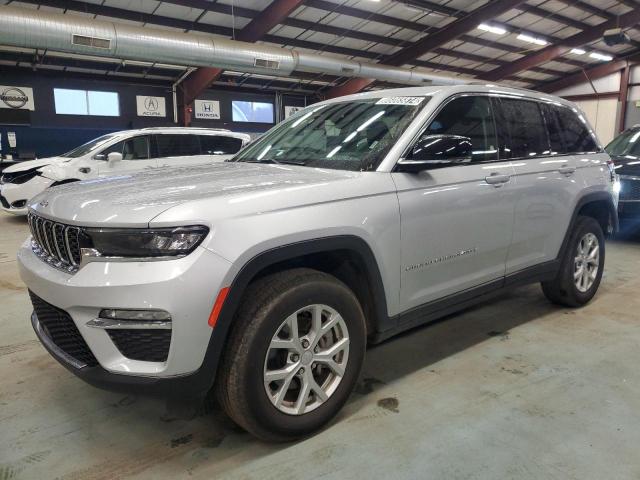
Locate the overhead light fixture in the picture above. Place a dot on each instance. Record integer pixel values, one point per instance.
(578, 51)
(601, 56)
(528, 38)
(492, 29)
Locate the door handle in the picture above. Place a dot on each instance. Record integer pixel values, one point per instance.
(497, 179)
(567, 169)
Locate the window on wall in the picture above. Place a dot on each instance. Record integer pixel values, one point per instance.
(86, 102)
(252, 111)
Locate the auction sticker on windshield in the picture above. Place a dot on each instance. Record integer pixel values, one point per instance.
(400, 101)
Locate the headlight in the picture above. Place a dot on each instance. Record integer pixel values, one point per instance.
(157, 242)
(19, 177)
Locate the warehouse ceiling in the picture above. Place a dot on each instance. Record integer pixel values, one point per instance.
(520, 43)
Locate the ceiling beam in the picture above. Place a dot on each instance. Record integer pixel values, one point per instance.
(369, 37)
(554, 51)
(273, 15)
(431, 41)
(585, 75)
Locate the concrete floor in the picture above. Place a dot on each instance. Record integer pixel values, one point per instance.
(513, 389)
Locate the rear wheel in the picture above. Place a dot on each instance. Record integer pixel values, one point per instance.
(581, 268)
(294, 355)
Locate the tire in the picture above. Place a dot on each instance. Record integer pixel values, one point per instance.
(267, 310)
(563, 289)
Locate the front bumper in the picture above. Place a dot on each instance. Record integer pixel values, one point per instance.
(14, 194)
(186, 288)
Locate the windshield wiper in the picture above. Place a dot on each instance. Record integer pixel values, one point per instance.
(271, 160)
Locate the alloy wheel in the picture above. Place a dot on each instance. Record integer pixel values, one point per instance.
(306, 359)
(587, 262)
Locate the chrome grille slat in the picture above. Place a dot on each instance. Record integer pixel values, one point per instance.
(55, 243)
(47, 227)
(66, 243)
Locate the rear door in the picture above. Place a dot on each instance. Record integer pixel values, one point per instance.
(545, 185)
(174, 150)
(135, 156)
(457, 216)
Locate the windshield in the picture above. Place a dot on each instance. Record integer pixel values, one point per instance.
(89, 146)
(354, 135)
(627, 143)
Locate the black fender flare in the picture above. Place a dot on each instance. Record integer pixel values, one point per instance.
(207, 372)
(586, 199)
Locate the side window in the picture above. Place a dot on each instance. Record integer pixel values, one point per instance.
(470, 118)
(219, 145)
(577, 137)
(527, 131)
(116, 147)
(136, 148)
(172, 145)
(556, 140)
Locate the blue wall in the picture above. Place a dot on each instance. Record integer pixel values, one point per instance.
(49, 134)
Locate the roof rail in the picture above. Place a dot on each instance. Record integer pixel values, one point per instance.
(187, 128)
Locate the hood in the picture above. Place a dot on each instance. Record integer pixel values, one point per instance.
(627, 164)
(29, 164)
(135, 199)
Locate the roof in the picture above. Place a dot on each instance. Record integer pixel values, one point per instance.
(183, 130)
(448, 90)
(359, 30)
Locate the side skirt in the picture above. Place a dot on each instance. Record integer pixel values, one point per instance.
(440, 308)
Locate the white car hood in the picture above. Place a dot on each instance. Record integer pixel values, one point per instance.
(29, 164)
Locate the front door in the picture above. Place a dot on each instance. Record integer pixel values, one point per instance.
(457, 215)
(135, 157)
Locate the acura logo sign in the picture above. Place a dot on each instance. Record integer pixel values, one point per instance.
(13, 97)
(151, 104)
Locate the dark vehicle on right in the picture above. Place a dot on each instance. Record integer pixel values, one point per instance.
(625, 153)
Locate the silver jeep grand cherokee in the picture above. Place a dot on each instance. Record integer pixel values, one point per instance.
(360, 217)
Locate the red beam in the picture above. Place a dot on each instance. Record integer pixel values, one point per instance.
(259, 26)
(554, 51)
(437, 39)
(585, 75)
(624, 89)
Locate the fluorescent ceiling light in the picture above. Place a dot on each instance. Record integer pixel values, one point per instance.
(578, 51)
(528, 38)
(492, 29)
(601, 56)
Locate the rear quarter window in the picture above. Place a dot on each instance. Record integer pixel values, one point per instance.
(577, 135)
(220, 145)
(176, 145)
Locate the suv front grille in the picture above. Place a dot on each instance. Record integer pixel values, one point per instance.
(630, 188)
(56, 243)
(58, 326)
(147, 345)
(4, 202)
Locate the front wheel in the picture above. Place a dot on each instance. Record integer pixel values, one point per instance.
(294, 356)
(581, 268)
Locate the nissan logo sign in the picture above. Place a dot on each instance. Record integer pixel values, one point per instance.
(13, 97)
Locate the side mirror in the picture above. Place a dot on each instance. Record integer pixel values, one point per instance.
(436, 151)
(114, 157)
